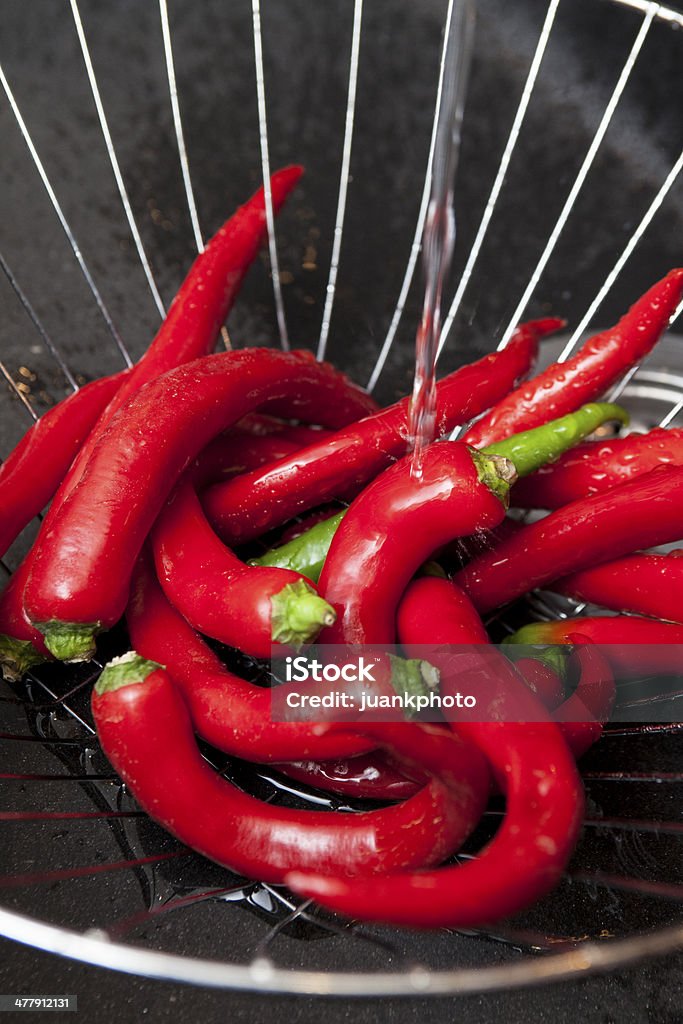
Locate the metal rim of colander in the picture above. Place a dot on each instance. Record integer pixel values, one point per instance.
(262, 976)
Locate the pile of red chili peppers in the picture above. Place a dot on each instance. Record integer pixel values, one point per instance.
(157, 477)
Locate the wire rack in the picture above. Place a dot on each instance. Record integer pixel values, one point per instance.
(85, 873)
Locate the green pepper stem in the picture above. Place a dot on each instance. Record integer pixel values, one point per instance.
(69, 641)
(497, 472)
(298, 614)
(534, 448)
(126, 670)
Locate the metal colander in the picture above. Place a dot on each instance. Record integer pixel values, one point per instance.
(567, 200)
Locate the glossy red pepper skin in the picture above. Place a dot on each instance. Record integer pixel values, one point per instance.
(211, 587)
(634, 647)
(83, 563)
(33, 471)
(392, 527)
(641, 513)
(337, 467)
(598, 364)
(647, 584)
(146, 733)
(598, 466)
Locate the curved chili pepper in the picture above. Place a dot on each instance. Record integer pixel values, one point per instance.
(528, 450)
(633, 646)
(252, 504)
(641, 513)
(598, 466)
(648, 584)
(395, 524)
(371, 775)
(200, 307)
(188, 331)
(600, 361)
(33, 471)
(246, 607)
(82, 564)
(146, 733)
(228, 712)
(524, 860)
(235, 716)
(22, 647)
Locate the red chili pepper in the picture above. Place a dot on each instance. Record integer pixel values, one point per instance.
(598, 466)
(647, 584)
(22, 647)
(252, 504)
(600, 362)
(524, 860)
(83, 563)
(395, 524)
(641, 513)
(544, 797)
(189, 330)
(227, 712)
(235, 716)
(400, 519)
(146, 732)
(202, 304)
(446, 600)
(33, 471)
(248, 607)
(634, 647)
(526, 451)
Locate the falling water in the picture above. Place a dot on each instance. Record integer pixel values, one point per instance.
(439, 234)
